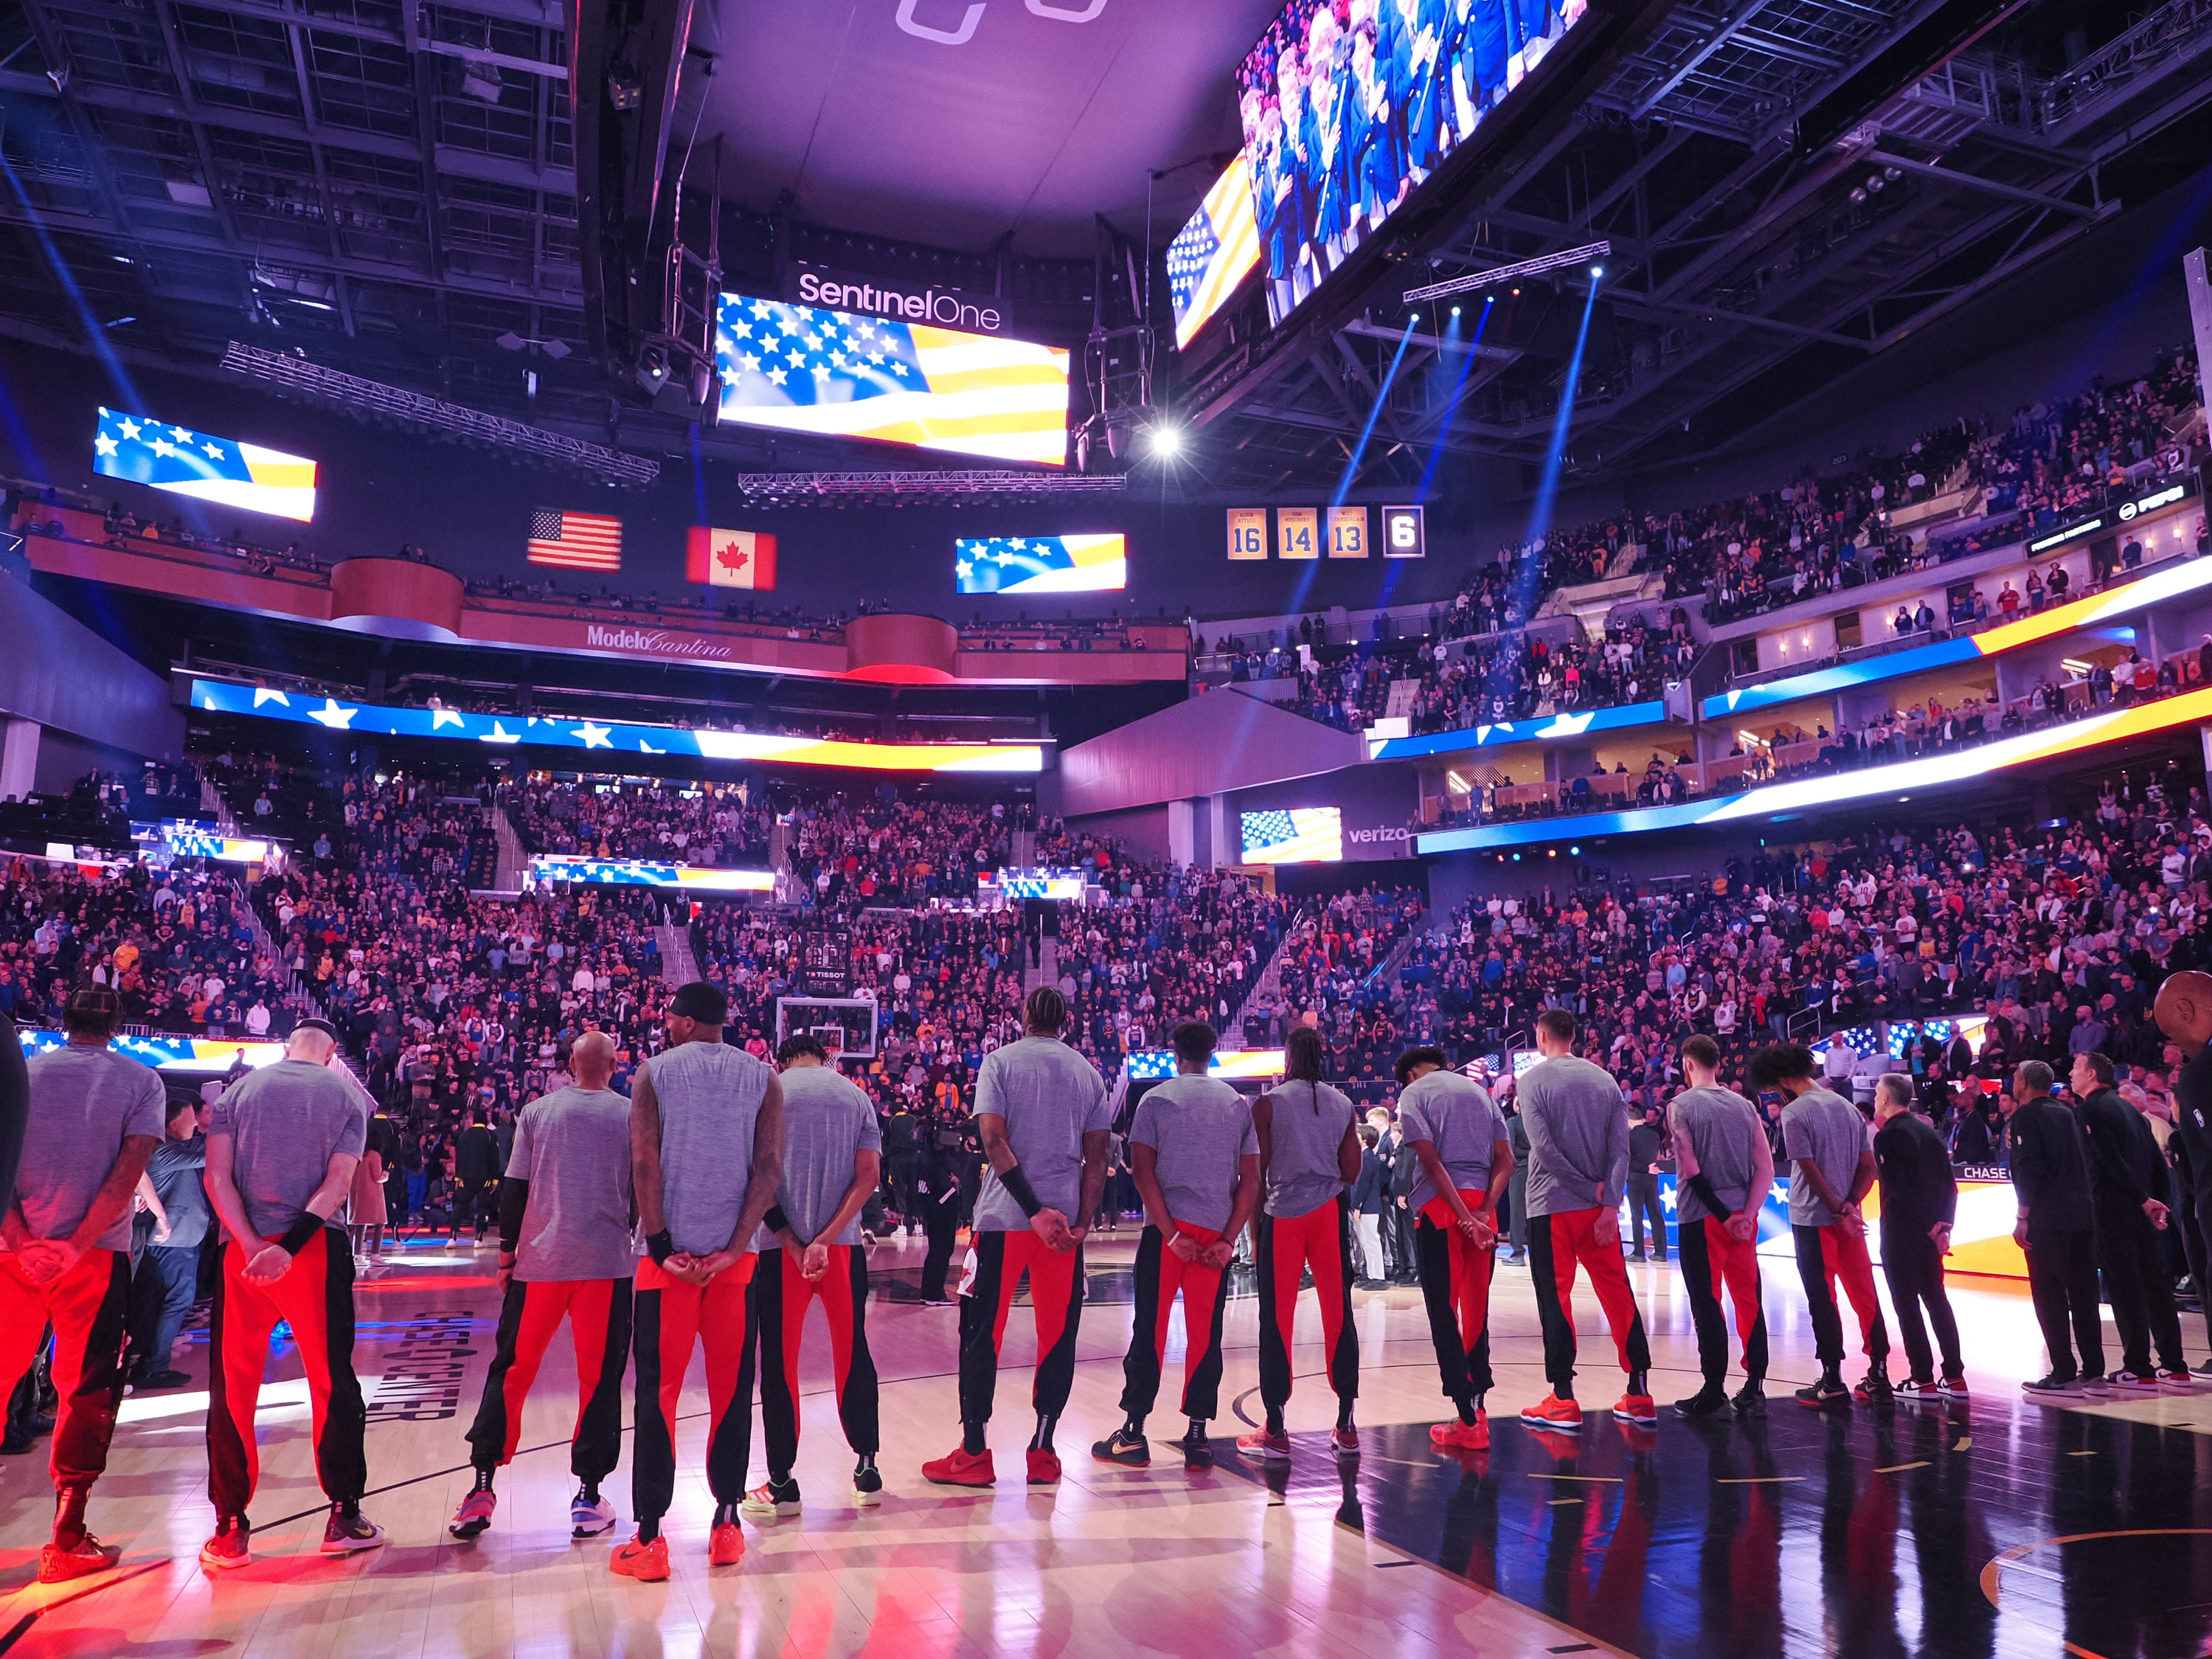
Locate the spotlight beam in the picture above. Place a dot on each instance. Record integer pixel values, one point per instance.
(1573, 256)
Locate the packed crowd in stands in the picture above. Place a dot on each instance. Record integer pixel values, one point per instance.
(705, 825)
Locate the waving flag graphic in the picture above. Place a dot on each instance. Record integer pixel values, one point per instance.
(1040, 564)
(1304, 835)
(1212, 251)
(800, 369)
(219, 470)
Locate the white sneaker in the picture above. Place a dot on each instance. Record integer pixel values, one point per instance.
(2129, 1382)
(587, 1519)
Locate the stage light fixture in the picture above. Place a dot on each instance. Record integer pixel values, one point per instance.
(1549, 262)
(1165, 440)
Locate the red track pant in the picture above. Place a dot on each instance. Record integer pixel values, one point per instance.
(87, 1305)
(1826, 1254)
(1160, 1273)
(782, 1295)
(1556, 1243)
(1319, 1239)
(996, 1262)
(1714, 1259)
(672, 1317)
(598, 1314)
(315, 1298)
(1455, 1286)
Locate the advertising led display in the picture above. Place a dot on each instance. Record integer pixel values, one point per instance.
(802, 368)
(1212, 252)
(222, 471)
(648, 872)
(1302, 835)
(1342, 123)
(1040, 564)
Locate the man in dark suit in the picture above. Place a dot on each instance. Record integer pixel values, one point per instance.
(2051, 1185)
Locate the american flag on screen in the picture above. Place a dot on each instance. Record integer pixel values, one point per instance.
(1304, 835)
(575, 541)
(802, 368)
(1212, 252)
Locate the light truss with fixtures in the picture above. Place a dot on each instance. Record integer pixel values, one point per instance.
(862, 488)
(1573, 256)
(348, 394)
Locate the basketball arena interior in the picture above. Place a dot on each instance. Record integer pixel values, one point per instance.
(1332, 753)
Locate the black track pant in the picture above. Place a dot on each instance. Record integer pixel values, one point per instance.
(940, 1219)
(2062, 1278)
(1913, 1267)
(1160, 1274)
(1713, 1260)
(673, 1318)
(1319, 1239)
(996, 1262)
(1642, 1204)
(2136, 1285)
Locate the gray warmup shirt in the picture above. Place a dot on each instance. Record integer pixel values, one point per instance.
(1721, 1125)
(1827, 1129)
(1307, 1123)
(1578, 1136)
(827, 1121)
(1050, 1097)
(572, 1147)
(286, 1122)
(84, 1103)
(710, 1098)
(1456, 1116)
(1201, 1127)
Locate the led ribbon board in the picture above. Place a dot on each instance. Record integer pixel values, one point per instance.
(802, 368)
(1544, 728)
(1829, 789)
(1157, 1065)
(1040, 564)
(224, 471)
(648, 872)
(1014, 884)
(164, 1054)
(2186, 576)
(613, 738)
(187, 841)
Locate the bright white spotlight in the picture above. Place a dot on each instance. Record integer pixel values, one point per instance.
(1165, 440)
(1597, 270)
(1455, 311)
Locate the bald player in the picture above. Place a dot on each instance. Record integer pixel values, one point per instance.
(2184, 1013)
(281, 1147)
(568, 1250)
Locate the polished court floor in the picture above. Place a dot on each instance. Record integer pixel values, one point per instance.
(1998, 1528)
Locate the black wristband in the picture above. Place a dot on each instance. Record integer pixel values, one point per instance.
(1704, 1188)
(777, 1221)
(660, 1246)
(1018, 1187)
(302, 1233)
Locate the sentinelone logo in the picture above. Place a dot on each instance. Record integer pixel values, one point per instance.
(651, 642)
(945, 310)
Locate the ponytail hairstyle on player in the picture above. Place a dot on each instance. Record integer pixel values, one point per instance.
(1045, 1013)
(1302, 1061)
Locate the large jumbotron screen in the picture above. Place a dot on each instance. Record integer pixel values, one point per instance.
(839, 374)
(1343, 120)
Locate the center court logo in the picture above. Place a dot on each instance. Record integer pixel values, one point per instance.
(423, 1370)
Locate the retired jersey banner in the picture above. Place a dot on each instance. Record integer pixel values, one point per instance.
(1248, 532)
(1348, 532)
(1297, 532)
(729, 558)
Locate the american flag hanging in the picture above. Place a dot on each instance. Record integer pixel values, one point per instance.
(1212, 252)
(574, 541)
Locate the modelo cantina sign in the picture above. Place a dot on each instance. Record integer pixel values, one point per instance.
(940, 308)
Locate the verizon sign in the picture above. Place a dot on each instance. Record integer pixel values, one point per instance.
(654, 642)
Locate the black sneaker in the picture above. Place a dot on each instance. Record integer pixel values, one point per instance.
(349, 1530)
(1706, 1402)
(1828, 1392)
(867, 1486)
(1197, 1452)
(1131, 1451)
(1874, 1389)
(1750, 1400)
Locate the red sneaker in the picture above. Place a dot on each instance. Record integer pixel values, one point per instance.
(1565, 1416)
(87, 1555)
(725, 1545)
(1044, 1467)
(1260, 1447)
(1344, 1443)
(1638, 1408)
(962, 1468)
(646, 1563)
(1455, 1436)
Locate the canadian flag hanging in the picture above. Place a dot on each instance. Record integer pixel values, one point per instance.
(730, 558)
